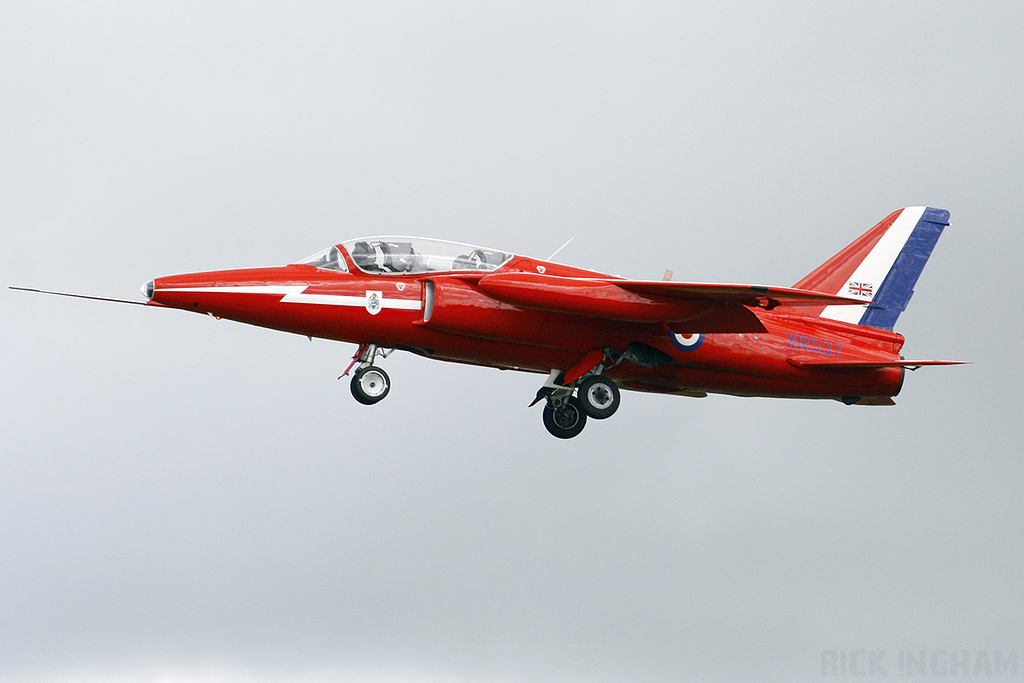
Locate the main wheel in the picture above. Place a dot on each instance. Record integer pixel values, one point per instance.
(370, 384)
(599, 397)
(567, 421)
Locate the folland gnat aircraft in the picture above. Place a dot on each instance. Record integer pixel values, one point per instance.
(827, 337)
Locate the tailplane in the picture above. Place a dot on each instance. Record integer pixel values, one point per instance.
(881, 267)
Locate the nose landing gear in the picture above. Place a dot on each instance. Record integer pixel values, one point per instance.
(370, 383)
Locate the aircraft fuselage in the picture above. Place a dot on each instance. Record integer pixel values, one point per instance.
(448, 316)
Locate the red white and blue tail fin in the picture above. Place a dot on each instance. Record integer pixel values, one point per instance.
(881, 267)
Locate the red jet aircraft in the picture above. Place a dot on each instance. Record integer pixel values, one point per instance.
(828, 337)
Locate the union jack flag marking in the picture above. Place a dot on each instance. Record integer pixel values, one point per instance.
(862, 289)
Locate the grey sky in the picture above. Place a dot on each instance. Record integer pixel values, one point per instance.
(183, 499)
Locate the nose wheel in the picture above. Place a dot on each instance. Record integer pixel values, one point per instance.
(370, 384)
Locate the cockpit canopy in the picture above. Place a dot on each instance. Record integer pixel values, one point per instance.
(328, 259)
(409, 255)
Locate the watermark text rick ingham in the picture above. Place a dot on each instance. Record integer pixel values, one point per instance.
(919, 663)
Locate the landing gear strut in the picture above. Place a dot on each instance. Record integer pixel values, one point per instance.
(370, 383)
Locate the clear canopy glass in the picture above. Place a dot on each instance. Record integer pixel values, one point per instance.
(402, 255)
(328, 259)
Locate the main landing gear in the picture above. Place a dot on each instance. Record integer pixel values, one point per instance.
(599, 396)
(567, 420)
(370, 383)
(565, 415)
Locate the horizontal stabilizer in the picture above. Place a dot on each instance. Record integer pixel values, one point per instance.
(869, 401)
(819, 363)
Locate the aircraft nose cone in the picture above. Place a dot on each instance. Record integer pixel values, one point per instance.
(148, 289)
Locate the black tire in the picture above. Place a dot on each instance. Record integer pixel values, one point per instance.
(599, 397)
(370, 385)
(567, 421)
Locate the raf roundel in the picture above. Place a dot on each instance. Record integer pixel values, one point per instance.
(686, 342)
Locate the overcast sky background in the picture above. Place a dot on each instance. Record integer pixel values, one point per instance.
(183, 499)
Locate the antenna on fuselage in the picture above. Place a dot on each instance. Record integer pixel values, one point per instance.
(561, 248)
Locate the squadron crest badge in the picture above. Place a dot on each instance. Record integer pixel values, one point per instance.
(373, 302)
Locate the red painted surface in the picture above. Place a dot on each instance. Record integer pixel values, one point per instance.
(537, 316)
(834, 273)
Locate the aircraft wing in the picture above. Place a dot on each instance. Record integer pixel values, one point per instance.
(748, 295)
(689, 307)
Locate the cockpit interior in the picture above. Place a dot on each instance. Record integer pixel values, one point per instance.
(408, 256)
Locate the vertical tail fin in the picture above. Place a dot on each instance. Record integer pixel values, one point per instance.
(881, 266)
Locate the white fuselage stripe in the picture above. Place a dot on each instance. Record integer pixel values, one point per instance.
(293, 294)
(877, 264)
